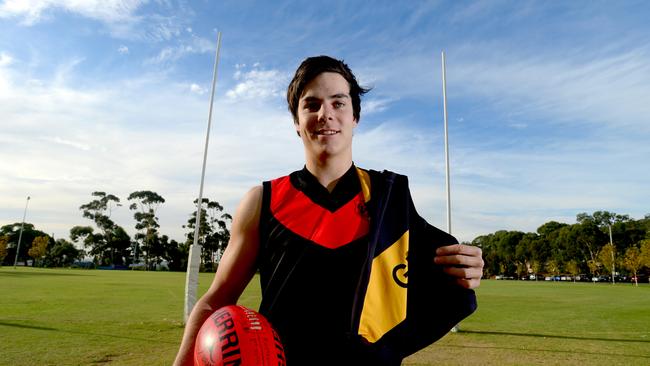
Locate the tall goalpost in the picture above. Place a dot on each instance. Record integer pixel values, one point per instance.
(456, 328)
(194, 257)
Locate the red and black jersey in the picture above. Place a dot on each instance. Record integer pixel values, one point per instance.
(348, 276)
(313, 246)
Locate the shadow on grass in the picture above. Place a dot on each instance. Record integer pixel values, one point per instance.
(25, 326)
(546, 350)
(554, 336)
(35, 327)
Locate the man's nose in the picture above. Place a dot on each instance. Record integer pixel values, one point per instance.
(325, 112)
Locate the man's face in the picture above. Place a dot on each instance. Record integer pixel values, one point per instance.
(325, 116)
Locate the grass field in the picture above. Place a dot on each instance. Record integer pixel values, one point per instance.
(93, 317)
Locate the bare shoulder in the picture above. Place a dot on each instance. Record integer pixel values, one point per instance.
(250, 207)
(245, 225)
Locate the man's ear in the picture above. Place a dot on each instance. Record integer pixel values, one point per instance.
(297, 126)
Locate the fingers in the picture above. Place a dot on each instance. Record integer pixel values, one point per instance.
(462, 262)
(459, 255)
(461, 249)
(469, 278)
(459, 260)
(471, 273)
(469, 284)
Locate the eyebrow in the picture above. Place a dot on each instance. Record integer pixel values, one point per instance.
(335, 96)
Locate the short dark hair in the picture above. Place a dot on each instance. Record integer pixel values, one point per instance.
(309, 69)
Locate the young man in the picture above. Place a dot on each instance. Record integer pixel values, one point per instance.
(350, 274)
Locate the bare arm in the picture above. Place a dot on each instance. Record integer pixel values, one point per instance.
(235, 270)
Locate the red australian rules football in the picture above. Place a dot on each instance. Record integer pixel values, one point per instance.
(236, 335)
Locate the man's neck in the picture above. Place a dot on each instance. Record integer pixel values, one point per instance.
(328, 171)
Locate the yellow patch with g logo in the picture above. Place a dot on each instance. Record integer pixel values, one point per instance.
(384, 305)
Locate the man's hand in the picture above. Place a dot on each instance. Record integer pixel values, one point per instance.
(463, 262)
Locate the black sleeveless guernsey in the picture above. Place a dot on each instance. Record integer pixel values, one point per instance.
(313, 245)
(348, 277)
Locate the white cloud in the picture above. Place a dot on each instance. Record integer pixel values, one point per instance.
(120, 17)
(609, 90)
(74, 144)
(123, 50)
(196, 88)
(5, 59)
(170, 54)
(257, 83)
(375, 105)
(109, 11)
(63, 142)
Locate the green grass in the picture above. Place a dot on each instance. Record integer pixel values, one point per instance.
(550, 323)
(92, 317)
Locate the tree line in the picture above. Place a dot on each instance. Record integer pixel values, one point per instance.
(108, 244)
(602, 243)
(555, 248)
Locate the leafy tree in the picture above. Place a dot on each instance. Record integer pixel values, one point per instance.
(594, 266)
(607, 257)
(490, 254)
(549, 244)
(550, 228)
(63, 253)
(546, 242)
(87, 237)
(633, 262)
(553, 267)
(39, 247)
(588, 237)
(511, 252)
(536, 267)
(525, 251)
(645, 252)
(4, 240)
(176, 255)
(522, 269)
(507, 245)
(625, 231)
(108, 247)
(119, 244)
(602, 218)
(213, 231)
(13, 232)
(145, 206)
(627, 234)
(573, 269)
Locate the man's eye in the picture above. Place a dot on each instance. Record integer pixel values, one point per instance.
(338, 104)
(312, 107)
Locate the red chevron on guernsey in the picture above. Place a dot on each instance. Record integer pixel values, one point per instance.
(298, 213)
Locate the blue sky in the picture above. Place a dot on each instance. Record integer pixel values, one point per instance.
(548, 104)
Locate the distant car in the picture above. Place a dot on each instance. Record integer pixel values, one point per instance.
(83, 264)
(583, 278)
(600, 279)
(139, 265)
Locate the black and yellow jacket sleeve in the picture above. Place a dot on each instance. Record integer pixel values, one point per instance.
(404, 301)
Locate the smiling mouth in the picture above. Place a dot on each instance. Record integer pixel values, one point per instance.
(326, 132)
